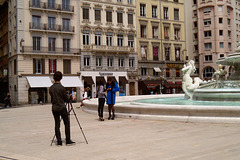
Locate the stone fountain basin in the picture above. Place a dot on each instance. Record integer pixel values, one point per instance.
(217, 94)
(127, 107)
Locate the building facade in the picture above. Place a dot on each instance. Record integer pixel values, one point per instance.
(43, 38)
(108, 44)
(212, 33)
(161, 45)
(3, 49)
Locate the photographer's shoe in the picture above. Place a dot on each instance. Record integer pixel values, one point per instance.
(70, 143)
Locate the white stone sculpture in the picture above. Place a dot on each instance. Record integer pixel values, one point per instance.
(188, 85)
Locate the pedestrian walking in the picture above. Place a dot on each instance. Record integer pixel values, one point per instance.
(101, 100)
(8, 100)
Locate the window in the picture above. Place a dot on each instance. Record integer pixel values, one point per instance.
(154, 11)
(177, 33)
(195, 36)
(66, 66)
(206, 10)
(229, 21)
(36, 22)
(66, 45)
(36, 43)
(195, 24)
(155, 32)
(176, 14)
(131, 62)
(51, 44)
(52, 66)
(15, 66)
(155, 53)
(220, 32)
(177, 72)
(208, 58)
(98, 61)
(119, 0)
(36, 3)
(230, 46)
(130, 18)
(143, 31)
(86, 61)
(194, 1)
(165, 12)
(52, 23)
(220, 20)
(130, 1)
(175, 0)
(167, 53)
(221, 45)
(155, 73)
(130, 40)
(120, 39)
(166, 31)
(66, 5)
(142, 10)
(195, 47)
(109, 16)
(177, 54)
(207, 33)
(119, 17)
(97, 15)
(51, 4)
(207, 46)
(109, 39)
(208, 72)
(38, 66)
(98, 36)
(66, 24)
(121, 62)
(207, 22)
(144, 51)
(228, 10)
(220, 8)
(86, 37)
(110, 61)
(86, 13)
(194, 13)
(143, 71)
(167, 72)
(229, 34)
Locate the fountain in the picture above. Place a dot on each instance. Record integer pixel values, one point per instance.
(216, 100)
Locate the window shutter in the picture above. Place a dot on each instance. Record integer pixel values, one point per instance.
(43, 66)
(34, 66)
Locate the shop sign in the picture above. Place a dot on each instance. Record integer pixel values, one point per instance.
(174, 65)
(105, 74)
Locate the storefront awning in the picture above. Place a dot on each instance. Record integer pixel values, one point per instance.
(157, 69)
(98, 78)
(71, 81)
(39, 81)
(88, 79)
(123, 80)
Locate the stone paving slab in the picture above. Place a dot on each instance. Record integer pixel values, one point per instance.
(26, 134)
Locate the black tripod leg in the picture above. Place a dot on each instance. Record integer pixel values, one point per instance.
(79, 125)
(54, 135)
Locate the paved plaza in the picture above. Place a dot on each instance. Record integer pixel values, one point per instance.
(26, 133)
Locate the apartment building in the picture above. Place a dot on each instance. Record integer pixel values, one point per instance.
(108, 44)
(43, 38)
(3, 49)
(161, 45)
(212, 27)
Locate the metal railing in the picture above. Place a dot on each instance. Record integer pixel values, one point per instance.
(52, 50)
(51, 27)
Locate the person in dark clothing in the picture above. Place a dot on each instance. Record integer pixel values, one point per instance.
(101, 100)
(58, 98)
(8, 101)
(112, 88)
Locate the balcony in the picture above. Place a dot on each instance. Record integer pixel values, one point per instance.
(50, 7)
(45, 50)
(51, 28)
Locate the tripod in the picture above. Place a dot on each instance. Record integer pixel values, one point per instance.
(70, 108)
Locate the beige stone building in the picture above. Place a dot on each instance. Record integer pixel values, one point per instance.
(43, 38)
(161, 45)
(213, 33)
(108, 44)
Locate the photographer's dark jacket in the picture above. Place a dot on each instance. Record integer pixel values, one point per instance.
(58, 97)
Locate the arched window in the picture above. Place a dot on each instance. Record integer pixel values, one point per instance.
(208, 72)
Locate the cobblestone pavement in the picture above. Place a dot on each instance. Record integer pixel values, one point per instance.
(26, 133)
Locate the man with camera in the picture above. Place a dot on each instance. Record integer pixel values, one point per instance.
(58, 98)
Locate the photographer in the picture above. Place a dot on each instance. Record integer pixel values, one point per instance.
(58, 98)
